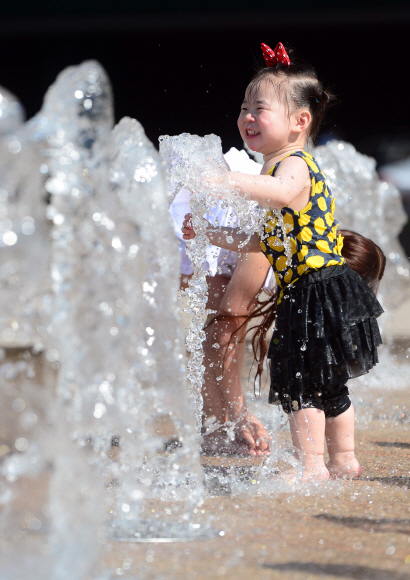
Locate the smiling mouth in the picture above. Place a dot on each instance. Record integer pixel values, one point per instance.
(250, 133)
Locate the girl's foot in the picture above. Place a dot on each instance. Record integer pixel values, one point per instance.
(344, 470)
(292, 476)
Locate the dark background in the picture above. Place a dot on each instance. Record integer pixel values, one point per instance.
(183, 65)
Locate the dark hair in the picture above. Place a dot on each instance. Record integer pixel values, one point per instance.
(364, 256)
(299, 85)
(361, 254)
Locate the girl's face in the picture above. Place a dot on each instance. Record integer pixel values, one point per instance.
(264, 122)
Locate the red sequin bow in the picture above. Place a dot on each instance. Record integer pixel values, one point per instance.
(277, 56)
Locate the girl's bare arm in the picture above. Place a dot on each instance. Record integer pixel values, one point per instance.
(290, 186)
(219, 236)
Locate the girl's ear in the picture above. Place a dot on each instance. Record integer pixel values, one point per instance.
(302, 120)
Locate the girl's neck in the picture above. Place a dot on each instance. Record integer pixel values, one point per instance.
(270, 159)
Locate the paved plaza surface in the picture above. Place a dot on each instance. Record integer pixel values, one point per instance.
(333, 530)
(262, 528)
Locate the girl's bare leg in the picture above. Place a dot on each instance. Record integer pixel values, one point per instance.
(227, 358)
(307, 427)
(340, 444)
(215, 408)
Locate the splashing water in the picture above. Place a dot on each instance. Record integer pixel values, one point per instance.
(114, 331)
(24, 229)
(137, 177)
(11, 114)
(187, 158)
(115, 276)
(198, 164)
(50, 500)
(48, 529)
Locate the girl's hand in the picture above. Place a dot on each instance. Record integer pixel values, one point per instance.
(249, 430)
(187, 229)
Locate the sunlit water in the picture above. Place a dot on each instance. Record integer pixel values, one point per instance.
(104, 309)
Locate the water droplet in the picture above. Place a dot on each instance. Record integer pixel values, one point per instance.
(357, 546)
(52, 355)
(9, 238)
(14, 146)
(21, 444)
(18, 405)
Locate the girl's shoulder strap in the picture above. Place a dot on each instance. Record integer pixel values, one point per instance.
(311, 162)
(318, 179)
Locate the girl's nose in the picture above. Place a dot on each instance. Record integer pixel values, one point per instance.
(249, 117)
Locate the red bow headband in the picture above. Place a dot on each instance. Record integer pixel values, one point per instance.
(277, 56)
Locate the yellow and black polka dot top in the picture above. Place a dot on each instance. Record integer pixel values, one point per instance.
(312, 232)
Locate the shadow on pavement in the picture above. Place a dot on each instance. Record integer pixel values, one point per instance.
(400, 481)
(399, 526)
(398, 444)
(340, 570)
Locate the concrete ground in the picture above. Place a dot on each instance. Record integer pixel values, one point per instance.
(358, 530)
(262, 530)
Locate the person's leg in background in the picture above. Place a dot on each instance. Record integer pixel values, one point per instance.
(224, 355)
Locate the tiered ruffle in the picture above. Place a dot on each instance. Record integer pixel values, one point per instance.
(326, 333)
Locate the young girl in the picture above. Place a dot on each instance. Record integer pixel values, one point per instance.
(326, 330)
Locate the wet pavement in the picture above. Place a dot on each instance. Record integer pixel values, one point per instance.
(265, 529)
(333, 530)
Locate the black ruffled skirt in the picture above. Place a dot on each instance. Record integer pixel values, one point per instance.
(326, 333)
